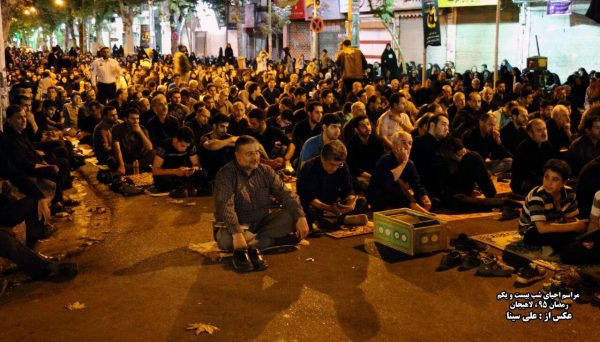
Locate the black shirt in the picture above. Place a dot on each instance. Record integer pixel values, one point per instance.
(557, 136)
(174, 159)
(486, 146)
(315, 182)
(425, 155)
(272, 140)
(212, 161)
(363, 157)
(20, 150)
(160, 131)
(271, 96)
(511, 137)
(528, 163)
(199, 130)
(303, 132)
(130, 142)
(237, 128)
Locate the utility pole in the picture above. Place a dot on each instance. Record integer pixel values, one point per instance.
(270, 38)
(3, 91)
(314, 35)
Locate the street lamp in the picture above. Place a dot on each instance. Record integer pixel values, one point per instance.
(59, 2)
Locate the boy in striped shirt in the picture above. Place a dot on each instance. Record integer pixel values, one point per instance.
(549, 215)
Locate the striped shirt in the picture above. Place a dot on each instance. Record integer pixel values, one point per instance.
(539, 207)
(595, 213)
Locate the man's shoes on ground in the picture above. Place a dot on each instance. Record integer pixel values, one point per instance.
(470, 261)
(258, 259)
(287, 240)
(241, 261)
(70, 203)
(491, 267)
(466, 244)
(179, 193)
(530, 274)
(56, 208)
(449, 261)
(49, 230)
(356, 220)
(59, 272)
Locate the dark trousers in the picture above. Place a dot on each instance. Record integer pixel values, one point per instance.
(557, 241)
(10, 248)
(392, 197)
(277, 224)
(167, 183)
(62, 178)
(106, 92)
(314, 215)
(576, 253)
(471, 171)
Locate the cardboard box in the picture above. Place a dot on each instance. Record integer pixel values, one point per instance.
(409, 231)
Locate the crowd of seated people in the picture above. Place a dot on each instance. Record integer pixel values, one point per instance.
(432, 146)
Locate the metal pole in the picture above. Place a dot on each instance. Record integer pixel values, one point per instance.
(227, 23)
(270, 38)
(424, 67)
(151, 23)
(314, 36)
(496, 43)
(3, 90)
(349, 25)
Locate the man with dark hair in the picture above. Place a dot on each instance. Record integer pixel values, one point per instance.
(131, 142)
(309, 127)
(178, 110)
(102, 137)
(485, 140)
(255, 96)
(282, 122)
(329, 102)
(104, 76)
(325, 190)
(515, 132)
(277, 146)
(27, 161)
(243, 194)
(277, 108)
(394, 120)
(352, 64)
(332, 129)
(469, 116)
(217, 145)
(500, 96)
(270, 92)
(528, 162)
(120, 102)
(364, 150)
(176, 166)
(587, 146)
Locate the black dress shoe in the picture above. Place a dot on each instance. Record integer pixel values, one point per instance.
(258, 259)
(241, 261)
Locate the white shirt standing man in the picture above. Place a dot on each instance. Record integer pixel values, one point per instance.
(105, 73)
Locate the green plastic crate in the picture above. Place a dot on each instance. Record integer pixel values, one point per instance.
(409, 231)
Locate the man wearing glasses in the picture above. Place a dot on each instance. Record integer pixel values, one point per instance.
(243, 190)
(325, 189)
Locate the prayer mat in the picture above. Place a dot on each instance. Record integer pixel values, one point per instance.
(512, 242)
(348, 231)
(141, 180)
(458, 217)
(501, 187)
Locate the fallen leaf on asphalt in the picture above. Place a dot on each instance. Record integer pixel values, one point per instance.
(190, 204)
(304, 242)
(202, 328)
(210, 250)
(75, 306)
(310, 259)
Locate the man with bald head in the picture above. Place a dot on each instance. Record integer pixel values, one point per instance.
(530, 157)
(559, 127)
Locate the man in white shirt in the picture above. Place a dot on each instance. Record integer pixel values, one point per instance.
(104, 76)
(394, 120)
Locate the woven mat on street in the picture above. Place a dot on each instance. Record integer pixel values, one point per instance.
(511, 241)
(348, 231)
(143, 179)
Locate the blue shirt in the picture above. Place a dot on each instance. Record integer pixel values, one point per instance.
(312, 148)
(382, 177)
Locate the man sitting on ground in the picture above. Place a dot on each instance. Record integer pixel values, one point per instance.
(325, 190)
(243, 191)
(394, 173)
(394, 120)
(102, 138)
(277, 146)
(364, 150)
(485, 140)
(332, 129)
(176, 167)
(515, 132)
(217, 146)
(131, 143)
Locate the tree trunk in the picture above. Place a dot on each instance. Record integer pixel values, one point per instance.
(127, 27)
(240, 16)
(71, 27)
(82, 35)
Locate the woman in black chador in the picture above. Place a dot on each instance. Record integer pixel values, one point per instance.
(389, 64)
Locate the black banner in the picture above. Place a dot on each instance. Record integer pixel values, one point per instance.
(431, 23)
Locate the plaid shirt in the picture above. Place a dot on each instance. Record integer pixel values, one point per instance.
(245, 199)
(539, 207)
